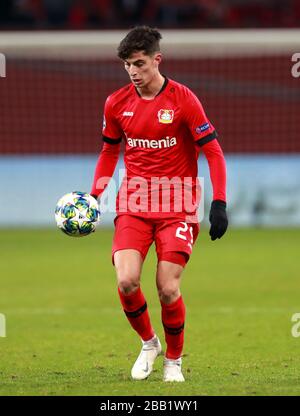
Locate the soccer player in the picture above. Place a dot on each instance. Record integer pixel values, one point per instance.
(164, 128)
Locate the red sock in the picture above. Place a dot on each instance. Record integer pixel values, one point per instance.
(135, 308)
(173, 316)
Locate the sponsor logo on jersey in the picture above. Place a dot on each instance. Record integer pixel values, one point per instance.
(202, 128)
(128, 114)
(165, 116)
(152, 144)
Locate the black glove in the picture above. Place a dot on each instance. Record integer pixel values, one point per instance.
(218, 219)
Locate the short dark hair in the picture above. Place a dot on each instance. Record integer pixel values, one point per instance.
(140, 38)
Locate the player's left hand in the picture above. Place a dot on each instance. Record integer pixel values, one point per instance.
(218, 219)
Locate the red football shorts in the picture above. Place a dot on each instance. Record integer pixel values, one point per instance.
(173, 238)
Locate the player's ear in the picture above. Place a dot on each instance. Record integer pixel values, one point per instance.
(158, 58)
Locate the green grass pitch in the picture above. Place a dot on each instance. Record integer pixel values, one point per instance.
(67, 335)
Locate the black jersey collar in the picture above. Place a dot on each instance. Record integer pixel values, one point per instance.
(160, 91)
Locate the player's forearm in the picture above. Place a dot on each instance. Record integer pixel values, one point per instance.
(217, 169)
(105, 167)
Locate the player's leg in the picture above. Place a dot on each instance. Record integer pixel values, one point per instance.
(173, 315)
(174, 240)
(128, 265)
(131, 242)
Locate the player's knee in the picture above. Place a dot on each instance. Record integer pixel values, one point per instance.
(168, 293)
(128, 282)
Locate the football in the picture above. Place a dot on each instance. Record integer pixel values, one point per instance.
(77, 214)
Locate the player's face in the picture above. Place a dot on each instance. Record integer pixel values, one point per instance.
(141, 68)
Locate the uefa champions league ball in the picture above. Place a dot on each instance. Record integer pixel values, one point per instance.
(77, 214)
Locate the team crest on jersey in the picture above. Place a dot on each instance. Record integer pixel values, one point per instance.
(165, 116)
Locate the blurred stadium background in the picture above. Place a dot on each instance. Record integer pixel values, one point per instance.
(57, 80)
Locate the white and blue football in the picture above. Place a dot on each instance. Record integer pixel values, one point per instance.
(77, 214)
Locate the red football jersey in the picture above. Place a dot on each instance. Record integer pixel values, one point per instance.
(160, 136)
